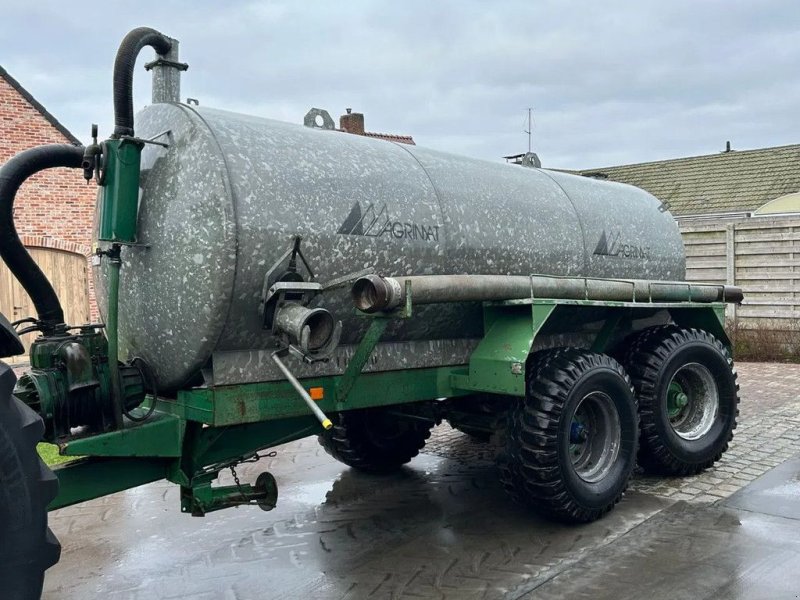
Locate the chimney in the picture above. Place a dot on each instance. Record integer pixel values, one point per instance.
(352, 122)
(727, 146)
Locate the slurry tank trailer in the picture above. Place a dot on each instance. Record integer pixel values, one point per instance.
(261, 282)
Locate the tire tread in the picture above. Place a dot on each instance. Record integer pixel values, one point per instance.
(529, 463)
(28, 545)
(646, 353)
(348, 442)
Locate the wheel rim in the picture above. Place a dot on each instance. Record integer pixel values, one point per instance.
(595, 436)
(692, 401)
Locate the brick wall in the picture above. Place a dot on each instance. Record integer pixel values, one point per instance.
(55, 208)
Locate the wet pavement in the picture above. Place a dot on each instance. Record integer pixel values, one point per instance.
(442, 528)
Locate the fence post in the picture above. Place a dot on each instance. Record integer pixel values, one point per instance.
(730, 266)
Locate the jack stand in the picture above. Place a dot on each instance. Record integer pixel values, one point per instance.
(201, 498)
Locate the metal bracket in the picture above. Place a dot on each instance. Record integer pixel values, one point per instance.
(346, 279)
(610, 325)
(280, 293)
(310, 120)
(360, 358)
(311, 334)
(163, 62)
(371, 338)
(286, 283)
(146, 141)
(531, 160)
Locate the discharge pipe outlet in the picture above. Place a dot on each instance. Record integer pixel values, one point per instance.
(313, 331)
(12, 175)
(124, 64)
(374, 293)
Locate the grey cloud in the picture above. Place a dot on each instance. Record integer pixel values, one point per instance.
(610, 82)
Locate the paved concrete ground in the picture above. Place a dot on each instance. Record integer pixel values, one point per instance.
(442, 528)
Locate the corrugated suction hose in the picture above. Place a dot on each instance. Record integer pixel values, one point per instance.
(12, 175)
(124, 64)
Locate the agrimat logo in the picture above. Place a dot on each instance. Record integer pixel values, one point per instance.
(372, 222)
(613, 245)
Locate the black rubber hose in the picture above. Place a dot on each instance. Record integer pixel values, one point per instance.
(124, 64)
(12, 175)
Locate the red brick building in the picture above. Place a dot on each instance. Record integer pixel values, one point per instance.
(53, 211)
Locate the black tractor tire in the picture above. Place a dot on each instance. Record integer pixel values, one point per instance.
(675, 439)
(27, 486)
(542, 464)
(373, 440)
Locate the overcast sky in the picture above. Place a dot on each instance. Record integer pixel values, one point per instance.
(610, 82)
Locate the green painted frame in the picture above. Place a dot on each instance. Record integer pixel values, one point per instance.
(201, 431)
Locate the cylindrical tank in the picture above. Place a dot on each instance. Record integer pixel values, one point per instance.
(223, 202)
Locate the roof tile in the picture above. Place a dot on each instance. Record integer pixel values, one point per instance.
(390, 137)
(740, 180)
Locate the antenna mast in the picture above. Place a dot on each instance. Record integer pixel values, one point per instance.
(528, 130)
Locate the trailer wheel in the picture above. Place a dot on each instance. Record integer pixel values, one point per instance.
(688, 396)
(570, 445)
(373, 440)
(27, 486)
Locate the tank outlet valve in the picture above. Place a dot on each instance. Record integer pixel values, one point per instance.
(312, 334)
(312, 331)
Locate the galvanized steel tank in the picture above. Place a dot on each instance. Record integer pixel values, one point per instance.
(222, 203)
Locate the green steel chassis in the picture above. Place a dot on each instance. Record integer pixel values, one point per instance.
(192, 437)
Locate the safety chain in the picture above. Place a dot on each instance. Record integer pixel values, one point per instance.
(254, 458)
(238, 484)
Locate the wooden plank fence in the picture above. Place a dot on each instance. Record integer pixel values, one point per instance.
(762, 255)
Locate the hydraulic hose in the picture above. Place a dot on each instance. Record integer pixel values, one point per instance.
(12, 175)
(124, 64)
